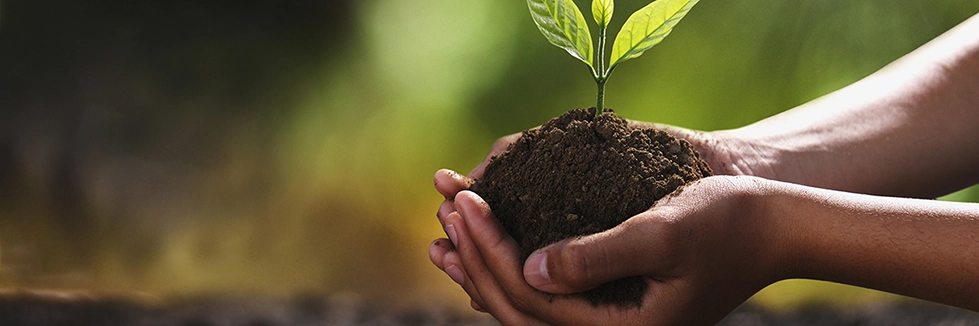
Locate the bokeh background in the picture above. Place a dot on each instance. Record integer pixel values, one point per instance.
(184, 147)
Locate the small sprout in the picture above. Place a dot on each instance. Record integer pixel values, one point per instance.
(602, 10)
(564, 26)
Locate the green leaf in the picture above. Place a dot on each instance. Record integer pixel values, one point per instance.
(563, 25)
(602, 11)
(647, 27)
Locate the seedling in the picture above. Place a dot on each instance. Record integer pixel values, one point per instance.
(563, 25)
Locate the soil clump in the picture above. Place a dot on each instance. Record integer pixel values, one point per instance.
(580, 174)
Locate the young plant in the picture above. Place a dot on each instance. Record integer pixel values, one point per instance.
(563, 25)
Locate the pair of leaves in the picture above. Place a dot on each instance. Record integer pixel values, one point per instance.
(564, 26)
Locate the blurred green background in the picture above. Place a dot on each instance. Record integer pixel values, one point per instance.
(184, 147)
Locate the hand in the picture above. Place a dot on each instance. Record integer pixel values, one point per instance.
(715, 150)
(692, 248)
(449, 183)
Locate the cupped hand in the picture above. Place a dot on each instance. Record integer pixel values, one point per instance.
(449, 183)
(719, 152)
(703, 252)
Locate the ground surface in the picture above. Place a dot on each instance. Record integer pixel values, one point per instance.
(58, 308)
(44, 309)
(580, 174)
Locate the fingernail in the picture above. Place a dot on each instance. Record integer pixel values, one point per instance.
(455, 273)
(450, 230)
(535, 269)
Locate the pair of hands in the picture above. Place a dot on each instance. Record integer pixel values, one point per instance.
(702, 252)
(708, 248)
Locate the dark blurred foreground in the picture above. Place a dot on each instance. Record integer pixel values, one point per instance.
(37, 308)
(50, 308)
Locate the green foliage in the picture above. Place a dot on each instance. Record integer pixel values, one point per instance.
(564, 26)
(647, 27)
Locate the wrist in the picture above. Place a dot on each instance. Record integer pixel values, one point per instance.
(798, 239)
(759, 231)
(778, 208)
(781, 210)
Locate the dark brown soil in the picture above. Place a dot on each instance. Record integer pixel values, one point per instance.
(580, 174)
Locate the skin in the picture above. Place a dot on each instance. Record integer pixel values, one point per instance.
(815, 192)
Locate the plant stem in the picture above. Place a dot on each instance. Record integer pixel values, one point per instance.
(601, 95)
(602, 75)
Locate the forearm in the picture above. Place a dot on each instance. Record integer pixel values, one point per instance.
(920, 248)
(910, 129)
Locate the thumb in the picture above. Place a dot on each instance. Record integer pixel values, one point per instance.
(579, 264)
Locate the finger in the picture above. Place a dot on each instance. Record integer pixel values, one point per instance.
(449, 182)
(579, 264)
(457, 272)
(494, 299)
(498, 147)
(502, 254)
(491, 238)
(502, 258)
(437, 250)
(476, 306)
(446, 208)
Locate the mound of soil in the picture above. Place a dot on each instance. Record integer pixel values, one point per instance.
(580, 174)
